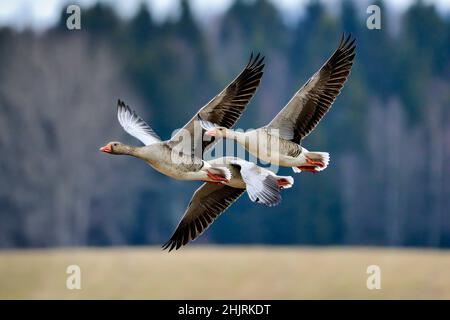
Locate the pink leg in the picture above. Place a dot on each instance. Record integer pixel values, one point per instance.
(215, 177)
(308, 168)
(315, 163)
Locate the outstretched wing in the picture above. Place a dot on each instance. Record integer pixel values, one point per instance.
(262, 187)
(307, 107)
(227, 107)
(134, 125)
(207, 203)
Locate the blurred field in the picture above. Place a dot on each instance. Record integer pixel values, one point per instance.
(225, 273)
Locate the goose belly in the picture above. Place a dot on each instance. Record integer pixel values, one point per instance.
(263, 146)
(179, 171)
(273, 150)
(266, 148)
(287, 161)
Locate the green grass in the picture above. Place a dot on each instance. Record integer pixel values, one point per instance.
(225, 273)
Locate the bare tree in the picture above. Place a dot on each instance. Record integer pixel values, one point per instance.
(58, 106)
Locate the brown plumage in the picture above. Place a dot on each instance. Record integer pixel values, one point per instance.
(207, 203)
(279, 142)
(226, 108)
(307, 107)
(179, 157)
(210, 200)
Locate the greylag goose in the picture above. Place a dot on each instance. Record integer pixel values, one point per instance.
(178, 157)
(279, 141)
(211, 199)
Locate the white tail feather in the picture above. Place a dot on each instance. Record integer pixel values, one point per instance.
(288, 181)
(323, 157)
(296, 170)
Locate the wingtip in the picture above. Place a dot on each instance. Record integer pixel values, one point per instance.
(249, 63)
(260, 62)
(275, 203)
(127, 108)
(168, 244)
(121, 104)
(348, 41)
(257, 57)
(342, 38)
(349, 35)
(255, 61)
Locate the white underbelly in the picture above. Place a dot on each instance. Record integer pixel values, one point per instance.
(175, 171)
(263, 150)
(273, 156)
(271, 153)
(287, 161)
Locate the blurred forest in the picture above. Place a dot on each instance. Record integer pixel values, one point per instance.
(388, 132)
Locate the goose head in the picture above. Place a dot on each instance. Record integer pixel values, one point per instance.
(115, 147)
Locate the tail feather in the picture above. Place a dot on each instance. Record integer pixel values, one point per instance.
(285, 182)
(314, 162)
(322, 157)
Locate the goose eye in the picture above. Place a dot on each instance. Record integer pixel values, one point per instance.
(115, 144)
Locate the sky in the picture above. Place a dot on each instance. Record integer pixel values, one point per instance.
(42, 14)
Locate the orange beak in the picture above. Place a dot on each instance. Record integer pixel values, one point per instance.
(211, 132)
(106, 148)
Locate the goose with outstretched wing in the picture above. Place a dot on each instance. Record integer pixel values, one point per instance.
(279, 142)
(212, 199)
(177, 157)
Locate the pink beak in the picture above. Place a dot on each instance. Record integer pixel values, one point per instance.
(106, 148)
(211, 132)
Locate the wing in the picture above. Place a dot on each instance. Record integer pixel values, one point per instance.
(134, 125)
(261, 187)
(207, 203)
(226, 108)
(307, 107)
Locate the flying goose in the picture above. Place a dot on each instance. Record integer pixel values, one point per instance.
(178, 157)
(279, 141)
(211, 199)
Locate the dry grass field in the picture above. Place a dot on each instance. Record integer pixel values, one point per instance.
(225, 273)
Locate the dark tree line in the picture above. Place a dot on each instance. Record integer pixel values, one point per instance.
(388, 132)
